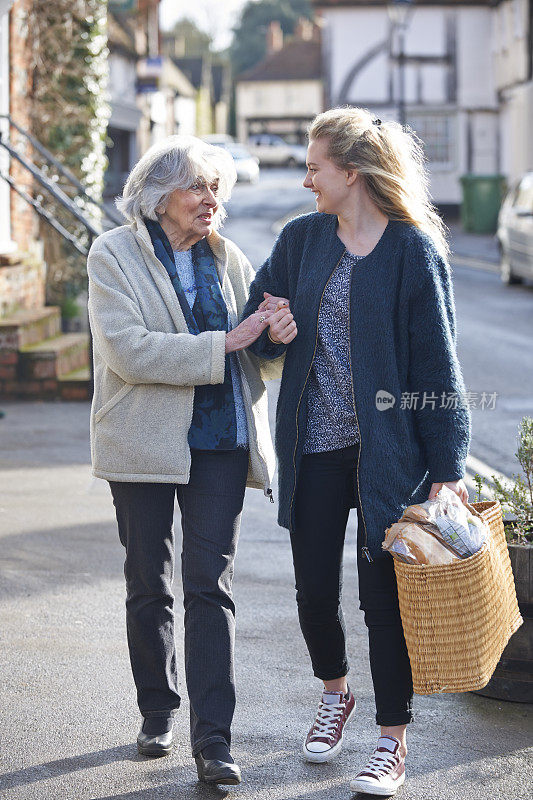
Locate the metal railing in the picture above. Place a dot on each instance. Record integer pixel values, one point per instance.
(108, 218)
(105, 218)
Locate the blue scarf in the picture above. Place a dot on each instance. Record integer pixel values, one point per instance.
(219, 419)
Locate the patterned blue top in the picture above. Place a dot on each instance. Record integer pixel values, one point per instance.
(185, 267)
(331, 421)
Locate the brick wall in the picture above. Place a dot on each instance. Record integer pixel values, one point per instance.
(22, 286)
(24, 221)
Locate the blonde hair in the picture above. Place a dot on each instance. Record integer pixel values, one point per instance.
(391, 160)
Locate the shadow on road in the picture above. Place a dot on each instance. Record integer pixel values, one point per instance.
(173, 792)
(65, 766)
(37, 561)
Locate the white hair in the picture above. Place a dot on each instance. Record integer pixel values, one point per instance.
(175, 163)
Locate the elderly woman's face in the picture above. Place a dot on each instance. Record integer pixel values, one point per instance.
(190, 211)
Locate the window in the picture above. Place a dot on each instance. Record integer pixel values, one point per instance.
(437, 134)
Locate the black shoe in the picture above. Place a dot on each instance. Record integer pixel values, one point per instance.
(215, 771)
(153, 743)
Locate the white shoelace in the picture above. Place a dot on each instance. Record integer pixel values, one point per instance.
(326, 721)
(381, 764)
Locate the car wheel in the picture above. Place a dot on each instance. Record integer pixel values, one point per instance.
(506, 272)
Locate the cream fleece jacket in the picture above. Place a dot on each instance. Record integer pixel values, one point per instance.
(146, 363)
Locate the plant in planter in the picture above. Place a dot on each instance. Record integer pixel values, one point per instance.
(513, 677)
(70, 312)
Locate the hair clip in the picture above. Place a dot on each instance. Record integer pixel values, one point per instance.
(376, 121)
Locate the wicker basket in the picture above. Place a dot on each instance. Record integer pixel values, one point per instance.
(457, 618)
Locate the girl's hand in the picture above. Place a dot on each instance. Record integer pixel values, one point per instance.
(282, 326)
(459, 487)
(271, 303)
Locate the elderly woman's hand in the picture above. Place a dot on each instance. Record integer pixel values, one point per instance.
(282, 326)
(248, 331)
(272, 303)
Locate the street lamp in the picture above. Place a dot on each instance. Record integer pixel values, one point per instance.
(399, 12)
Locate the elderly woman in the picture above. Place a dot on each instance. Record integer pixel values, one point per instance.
(179, 409)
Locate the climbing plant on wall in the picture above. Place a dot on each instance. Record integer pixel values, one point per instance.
(70, 112)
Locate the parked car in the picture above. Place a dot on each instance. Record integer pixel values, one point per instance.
(246, 164)
(218, 138)
(515, 232)
(273, 151)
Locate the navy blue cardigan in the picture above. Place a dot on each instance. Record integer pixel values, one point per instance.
(403, 340)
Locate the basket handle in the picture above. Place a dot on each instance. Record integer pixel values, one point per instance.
(473, 510)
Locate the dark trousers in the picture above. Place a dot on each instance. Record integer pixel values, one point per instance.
(211, 505)
(326, 490)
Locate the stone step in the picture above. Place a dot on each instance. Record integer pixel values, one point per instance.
(28, 327)
(29, 390)
(76, 385)
(53, 358)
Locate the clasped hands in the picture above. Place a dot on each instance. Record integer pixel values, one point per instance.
(282, 327)
(273, 313)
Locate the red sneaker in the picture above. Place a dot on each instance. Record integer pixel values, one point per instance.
(385, 771)
(324, 739)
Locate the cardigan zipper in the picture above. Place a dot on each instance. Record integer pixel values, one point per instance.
(305, 384)
(364, 549)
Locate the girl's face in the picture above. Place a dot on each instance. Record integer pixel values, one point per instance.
(330, 185)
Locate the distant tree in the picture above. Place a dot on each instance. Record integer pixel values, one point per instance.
(190, 40)
(249, 36)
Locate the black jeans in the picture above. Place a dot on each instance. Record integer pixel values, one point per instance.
(211, 505)
(326, 490)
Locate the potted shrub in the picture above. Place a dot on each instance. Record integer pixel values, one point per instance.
(70, 312)
(513, 677)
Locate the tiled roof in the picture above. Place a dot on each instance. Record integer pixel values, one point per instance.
(192, 67)
(297, 60)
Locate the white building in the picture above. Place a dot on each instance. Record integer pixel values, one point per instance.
(125, 120)
(512, 49)
(282, 93)
(450, 90)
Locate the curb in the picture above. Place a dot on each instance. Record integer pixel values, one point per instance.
(458, 260)
(280, 223)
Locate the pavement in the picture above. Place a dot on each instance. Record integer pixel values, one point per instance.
(68, 712)
(477, 246)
